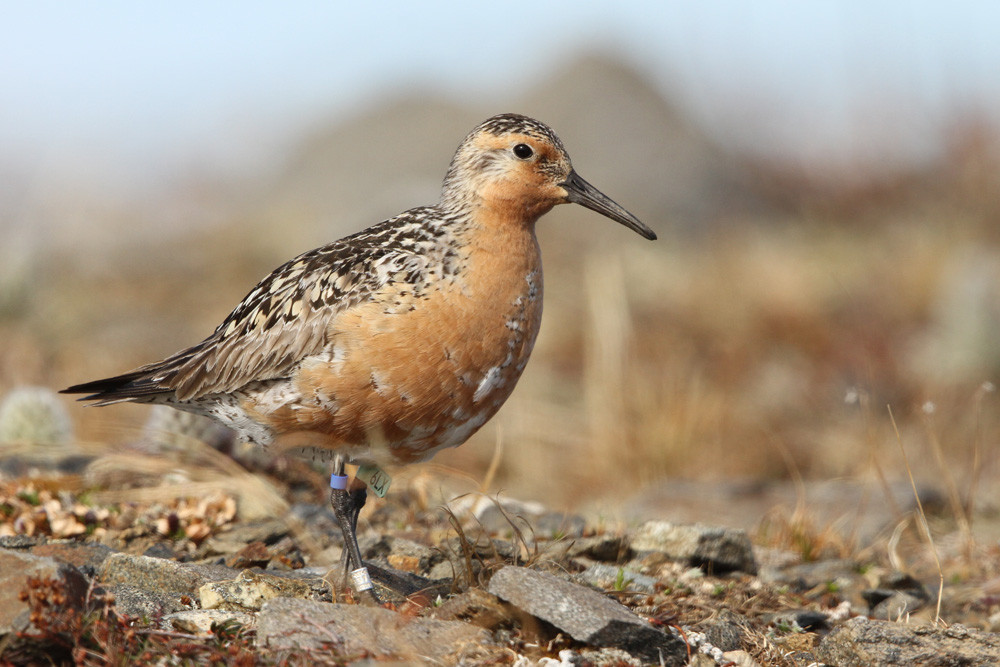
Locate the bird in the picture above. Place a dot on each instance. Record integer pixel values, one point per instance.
(388, 345)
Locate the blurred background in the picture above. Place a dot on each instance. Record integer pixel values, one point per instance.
(824, 178)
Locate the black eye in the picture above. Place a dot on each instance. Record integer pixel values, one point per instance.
(523, 151)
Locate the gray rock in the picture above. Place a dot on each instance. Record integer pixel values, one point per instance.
(136, 602)
(715, 549)
(896, 605)
(303, 625)
(724, 634)
(608, 577)
(604, 548)
(585, 614)
(861, 642)
(161, 575)
(395, 585)
(19, 541)
(16, 567)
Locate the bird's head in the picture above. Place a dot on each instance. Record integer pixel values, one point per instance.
(517, 169)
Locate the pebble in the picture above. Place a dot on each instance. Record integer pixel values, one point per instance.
(585, 614)
(305, 625)
(158, 574)
(715, 549)
(861, 642)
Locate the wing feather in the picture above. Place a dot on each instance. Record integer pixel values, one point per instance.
(284, 318)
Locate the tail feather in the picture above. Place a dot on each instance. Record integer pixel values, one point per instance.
(131, 386)
(140, 384)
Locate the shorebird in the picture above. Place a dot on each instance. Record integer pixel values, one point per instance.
(393, 343)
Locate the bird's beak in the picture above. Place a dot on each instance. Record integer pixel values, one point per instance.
(583, 193)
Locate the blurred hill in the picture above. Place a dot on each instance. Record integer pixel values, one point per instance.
(623, 135)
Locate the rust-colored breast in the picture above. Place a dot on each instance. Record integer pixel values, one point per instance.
(405, 376)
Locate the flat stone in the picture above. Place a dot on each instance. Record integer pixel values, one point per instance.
(158, 574)
(896, 605)
(304, 625)
(16, 567)
(19, 541)
(603, 548)
(860, 642)
(200, 621)
(396, 585)
(607, 577)
(585, 614)
(250, 590)
(140, 603)
(714, 549)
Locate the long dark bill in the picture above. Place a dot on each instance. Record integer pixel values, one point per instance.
(583, 193)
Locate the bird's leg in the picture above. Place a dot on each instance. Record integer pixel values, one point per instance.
(347, 503)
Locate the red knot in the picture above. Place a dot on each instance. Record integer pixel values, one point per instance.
(393, 343)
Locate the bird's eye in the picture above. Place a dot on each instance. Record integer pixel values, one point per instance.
(523, 151)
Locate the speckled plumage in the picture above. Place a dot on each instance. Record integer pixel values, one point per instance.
(396, 341)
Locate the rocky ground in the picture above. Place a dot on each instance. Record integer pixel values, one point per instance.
(482, 581)
(182, 549)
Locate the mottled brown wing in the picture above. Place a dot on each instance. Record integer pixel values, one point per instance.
(285, 318)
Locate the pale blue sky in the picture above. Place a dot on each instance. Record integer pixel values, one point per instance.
(168, 83)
